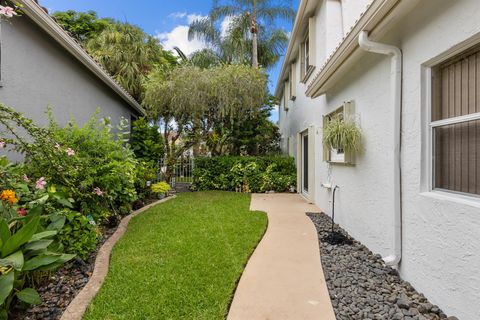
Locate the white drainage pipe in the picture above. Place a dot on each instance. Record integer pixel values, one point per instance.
(396, 92)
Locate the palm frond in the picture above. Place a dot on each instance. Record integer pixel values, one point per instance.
(221, 12)
(203, 29)
(270, 14)
(181, 54)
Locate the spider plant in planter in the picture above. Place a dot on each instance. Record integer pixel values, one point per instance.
(339, 133)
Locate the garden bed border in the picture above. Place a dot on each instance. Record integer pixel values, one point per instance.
(80, 303)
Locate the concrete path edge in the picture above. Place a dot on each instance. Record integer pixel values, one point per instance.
(80, 303)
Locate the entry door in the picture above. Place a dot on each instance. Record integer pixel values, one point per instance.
(305, 162)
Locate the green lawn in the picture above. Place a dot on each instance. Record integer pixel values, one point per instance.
(181, 259)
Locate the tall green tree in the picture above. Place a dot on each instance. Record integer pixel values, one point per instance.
(251, 29)
(82, 25)
(254, 134)
(189, 102)
(129, 54)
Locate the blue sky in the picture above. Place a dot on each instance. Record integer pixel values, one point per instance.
(166, 19)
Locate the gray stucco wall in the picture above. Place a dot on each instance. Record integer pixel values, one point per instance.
(36, 72)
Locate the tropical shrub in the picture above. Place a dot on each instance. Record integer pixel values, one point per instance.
(79, 235)
(106, 179)
(145, 175)
(147, 142)
(160, 187)
(92, 164)
(29, 224)
(20, 195)
(25, 247)
(244, 174)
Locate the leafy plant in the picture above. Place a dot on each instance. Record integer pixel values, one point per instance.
(29, 225)
(244, 174)
(342, 134)
(82, 25)
(90, 163)
(145, 175)
(273, 179)
(79, 235)
(147, 142)
(160, 187)
(129, 54)
(26, 247)
(246, 177)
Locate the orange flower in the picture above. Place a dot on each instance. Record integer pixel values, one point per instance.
(9, 196)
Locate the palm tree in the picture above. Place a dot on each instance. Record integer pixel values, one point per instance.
(204, 58)
(128, 54)
(247, 30)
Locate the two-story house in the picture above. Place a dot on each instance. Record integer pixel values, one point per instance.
(407, 72)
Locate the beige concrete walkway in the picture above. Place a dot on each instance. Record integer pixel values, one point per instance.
(284, 277)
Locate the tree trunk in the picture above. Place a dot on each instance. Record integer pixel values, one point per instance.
(254, 31)
(254, 51)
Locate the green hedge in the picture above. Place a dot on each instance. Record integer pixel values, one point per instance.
(244, 174)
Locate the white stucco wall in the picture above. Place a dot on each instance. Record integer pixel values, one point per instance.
(351, 10)
(440, 233)
(441, 237)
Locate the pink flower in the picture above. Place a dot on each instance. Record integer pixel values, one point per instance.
(98, 191)
(26, 178)
(70, 152)
(21, 212)
(7, 11)
(2, 144)
(40, 184)
(57, 146)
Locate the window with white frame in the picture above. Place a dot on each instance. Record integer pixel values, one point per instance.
(293, 82)
(339, 155)
(307, 51)
(455, 124)
(286, 95)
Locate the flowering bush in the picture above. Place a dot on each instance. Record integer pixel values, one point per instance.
(29, 224)
(10, 12)
(20, 195)
(91, 163)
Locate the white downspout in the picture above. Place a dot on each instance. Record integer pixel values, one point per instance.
(396, 91)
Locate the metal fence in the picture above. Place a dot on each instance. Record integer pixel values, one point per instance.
(182, 171)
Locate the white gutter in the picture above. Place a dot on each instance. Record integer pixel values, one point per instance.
(396, 94)
(43, 19)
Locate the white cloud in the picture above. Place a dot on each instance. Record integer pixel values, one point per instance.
(193, 17)
(189, 18)
(225, 25)
(177, 15)
(178, 36)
